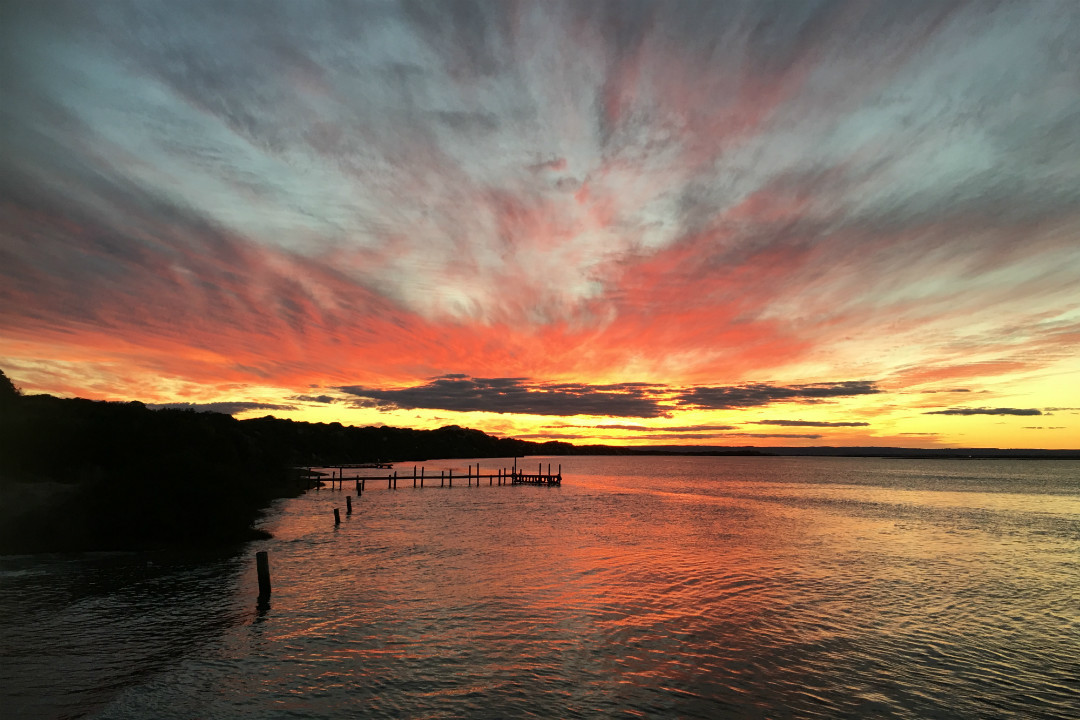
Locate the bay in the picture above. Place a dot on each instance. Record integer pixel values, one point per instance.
(656, 586)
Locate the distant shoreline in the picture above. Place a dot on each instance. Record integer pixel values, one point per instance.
(866, 452)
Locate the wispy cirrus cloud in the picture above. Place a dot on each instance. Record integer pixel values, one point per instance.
(690, 194)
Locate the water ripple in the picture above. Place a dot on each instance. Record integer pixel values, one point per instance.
(700, 588)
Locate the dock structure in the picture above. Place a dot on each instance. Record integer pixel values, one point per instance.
(503, 476)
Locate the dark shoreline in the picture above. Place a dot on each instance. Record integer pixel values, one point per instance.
(83, 475)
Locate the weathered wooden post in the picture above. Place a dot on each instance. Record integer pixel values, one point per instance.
(421, 477)
(450, 474)
(262, 563)
(414, 476)
(358, 490)
(395, 479)
(442, 478)
(389, 481)
(348, 504)
(337, 516)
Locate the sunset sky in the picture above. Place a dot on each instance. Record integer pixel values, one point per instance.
(714, 223)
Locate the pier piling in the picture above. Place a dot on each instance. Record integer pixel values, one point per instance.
(337, 516)
(348, 504)
(262, 563)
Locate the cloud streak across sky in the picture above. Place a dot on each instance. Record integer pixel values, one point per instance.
(252, 201)
(515, 395)
(986, 411)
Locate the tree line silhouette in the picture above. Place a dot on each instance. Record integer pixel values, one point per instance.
(85, 474)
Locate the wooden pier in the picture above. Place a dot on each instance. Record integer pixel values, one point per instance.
(473, 477)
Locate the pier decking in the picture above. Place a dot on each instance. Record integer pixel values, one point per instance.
(420, 475)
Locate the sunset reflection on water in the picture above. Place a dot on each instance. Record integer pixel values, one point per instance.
(690, 587)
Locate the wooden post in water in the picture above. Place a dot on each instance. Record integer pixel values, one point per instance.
(395, 479)
(262, 563)
(359, 492)
(450, 473)
(442, 478)
(421, 477)
(348, 504)
(414, 476)
(389, 481)
(337, 516)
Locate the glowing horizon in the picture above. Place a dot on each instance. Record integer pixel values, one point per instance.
(829, 223)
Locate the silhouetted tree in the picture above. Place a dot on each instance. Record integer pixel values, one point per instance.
(8, 392)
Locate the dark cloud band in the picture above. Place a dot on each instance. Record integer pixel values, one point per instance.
(752, 395)
(517, 395)
(986, 411)
(461, 393)
(809, 423)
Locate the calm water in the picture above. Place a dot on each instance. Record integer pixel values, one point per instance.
(689, 587)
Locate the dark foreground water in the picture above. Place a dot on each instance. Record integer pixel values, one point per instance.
(678, 587)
